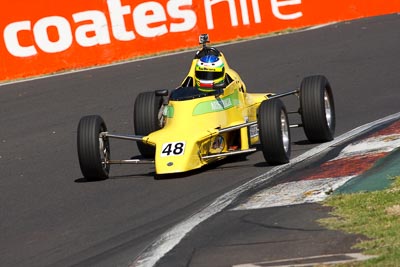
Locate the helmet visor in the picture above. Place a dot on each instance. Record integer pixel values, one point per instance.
(209, 75)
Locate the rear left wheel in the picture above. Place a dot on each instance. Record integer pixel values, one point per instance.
(317, 109)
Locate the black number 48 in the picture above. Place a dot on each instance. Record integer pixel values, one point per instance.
(174, 149)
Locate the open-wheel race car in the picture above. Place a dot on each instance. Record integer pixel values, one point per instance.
(209, 117)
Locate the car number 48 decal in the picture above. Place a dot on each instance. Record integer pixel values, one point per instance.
(173, 149)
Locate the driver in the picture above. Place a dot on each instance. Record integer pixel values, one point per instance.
(209, 73)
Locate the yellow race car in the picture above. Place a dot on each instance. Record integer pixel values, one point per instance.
(209, 117)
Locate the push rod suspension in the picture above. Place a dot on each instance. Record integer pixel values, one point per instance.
(232, 128)
(284, 94)
(123, 137)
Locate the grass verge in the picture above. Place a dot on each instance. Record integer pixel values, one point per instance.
(373, 214)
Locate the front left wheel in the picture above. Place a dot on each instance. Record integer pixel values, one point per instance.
(93, 148)
(273, 125)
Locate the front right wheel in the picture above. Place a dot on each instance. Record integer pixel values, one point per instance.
(273, 125)
(93, 148)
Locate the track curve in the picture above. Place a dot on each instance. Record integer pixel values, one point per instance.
(51, 216)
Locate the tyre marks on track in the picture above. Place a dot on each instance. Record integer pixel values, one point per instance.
(352, 161)
(169, 239)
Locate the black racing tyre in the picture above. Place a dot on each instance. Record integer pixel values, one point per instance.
(93, 150)
(273, 125)
(317, 109)
(145, 119)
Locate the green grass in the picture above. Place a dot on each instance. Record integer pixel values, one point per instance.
(375, 215)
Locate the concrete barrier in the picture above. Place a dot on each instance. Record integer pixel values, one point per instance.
(47, 36)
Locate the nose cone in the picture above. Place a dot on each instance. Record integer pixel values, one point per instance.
(175, 157)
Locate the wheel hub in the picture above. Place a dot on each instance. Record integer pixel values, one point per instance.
(104, 152)
(285, 131)
(328, 109)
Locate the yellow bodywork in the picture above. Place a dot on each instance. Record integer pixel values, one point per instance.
(191, 129)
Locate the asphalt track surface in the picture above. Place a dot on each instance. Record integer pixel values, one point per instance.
(51, 216)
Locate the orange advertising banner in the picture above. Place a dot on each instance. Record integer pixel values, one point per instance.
(47, 36)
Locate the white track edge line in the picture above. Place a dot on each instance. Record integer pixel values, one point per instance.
(168, 240)
(353, 258)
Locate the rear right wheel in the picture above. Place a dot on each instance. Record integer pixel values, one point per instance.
(146, 119)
